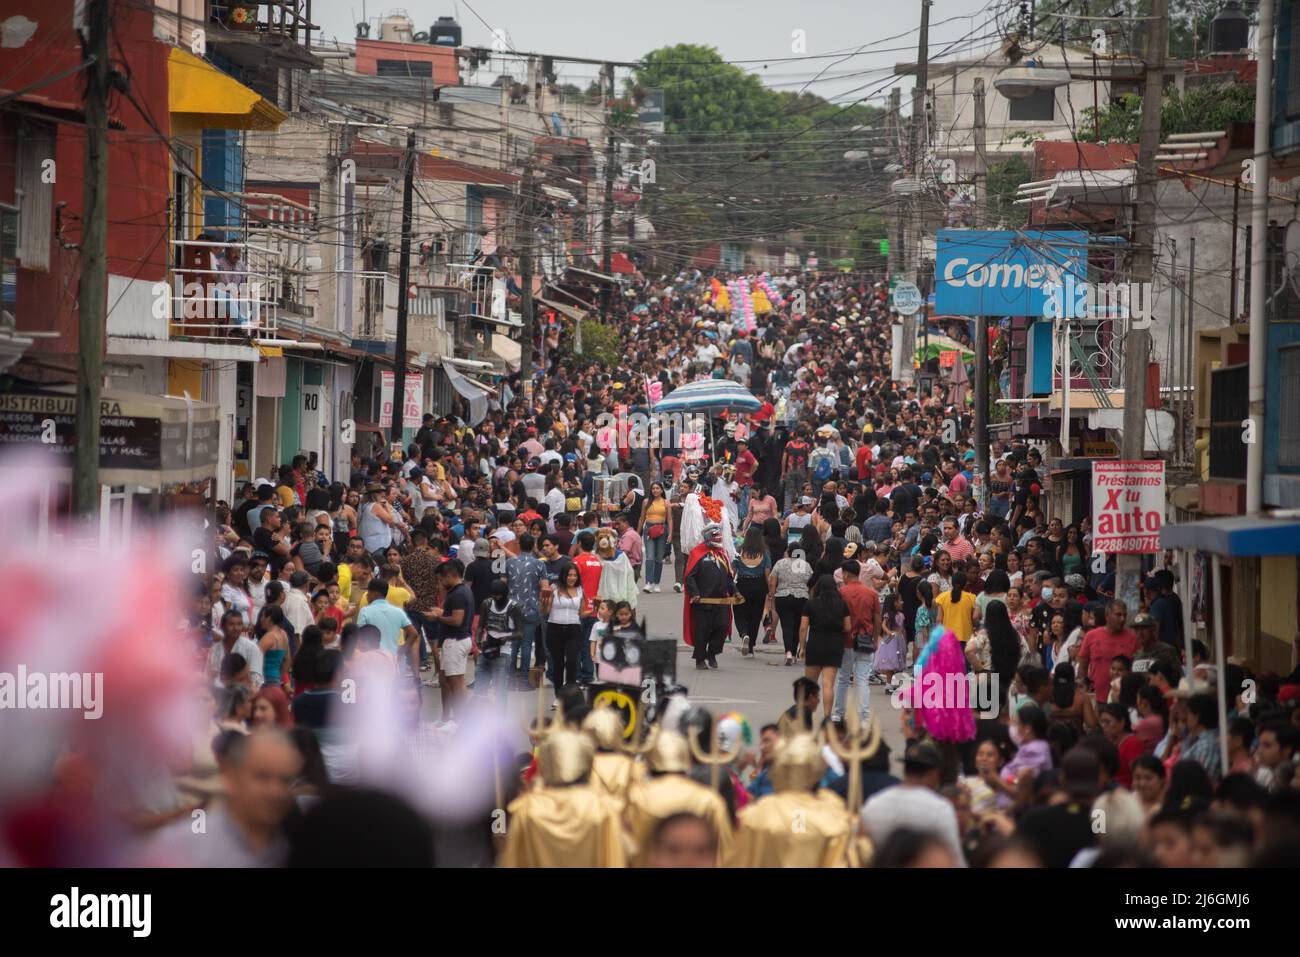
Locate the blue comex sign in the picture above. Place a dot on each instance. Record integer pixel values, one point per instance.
(983, 272)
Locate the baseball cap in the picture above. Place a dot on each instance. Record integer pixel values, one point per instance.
(921, 756)
(1144, 621)
(262, 481)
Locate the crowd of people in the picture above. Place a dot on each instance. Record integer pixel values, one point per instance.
(845, 519)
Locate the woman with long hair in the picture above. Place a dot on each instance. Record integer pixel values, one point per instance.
(277, 663)
(822, 632)
(956, 608)
(997, 648)
(776, 542)
(1070, 703)
(655, 528)
(752, 567)
(1072, 553)
(564, 627)
(812, 544)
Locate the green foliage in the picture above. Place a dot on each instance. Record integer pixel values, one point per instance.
(1003, 180)
(600, 343)
(1202, 109)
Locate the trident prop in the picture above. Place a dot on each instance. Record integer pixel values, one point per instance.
(860, 744)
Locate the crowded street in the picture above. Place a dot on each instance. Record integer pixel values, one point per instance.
(523, 461)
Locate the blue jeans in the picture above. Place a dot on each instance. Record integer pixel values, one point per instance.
(859, 664)
(655, 549)
(742, 504)
(521, 649)
(492, 674)
(586, 668)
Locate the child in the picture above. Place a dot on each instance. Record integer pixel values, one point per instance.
(604, 620)
(500, 620)
(625, 619)
(892, 650)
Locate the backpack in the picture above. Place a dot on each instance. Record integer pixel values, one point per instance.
(822, 470)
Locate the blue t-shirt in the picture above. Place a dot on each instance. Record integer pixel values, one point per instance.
(389, 619)
(459, 597)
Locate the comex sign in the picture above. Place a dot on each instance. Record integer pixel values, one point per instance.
(982, 272)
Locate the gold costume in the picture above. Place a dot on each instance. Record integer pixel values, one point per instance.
(614, 774)
(570, 826)
(671, 792)
(793, 829)
(564, 822)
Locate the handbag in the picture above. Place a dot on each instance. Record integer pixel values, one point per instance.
(656, 530)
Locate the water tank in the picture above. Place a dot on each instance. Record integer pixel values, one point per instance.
(396, 28)
(1230, 30)
(445, 33)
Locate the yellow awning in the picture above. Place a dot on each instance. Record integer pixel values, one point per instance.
(210, 99)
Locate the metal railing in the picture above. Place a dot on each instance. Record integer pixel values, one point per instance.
(485, 295)
(216, 294)
(375, 305)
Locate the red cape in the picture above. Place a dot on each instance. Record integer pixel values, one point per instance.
(698, 552)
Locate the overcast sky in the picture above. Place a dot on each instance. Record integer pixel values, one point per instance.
(753, 30)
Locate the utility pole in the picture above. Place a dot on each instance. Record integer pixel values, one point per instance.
(1259, 262)
(911, 253)
(93, 298)
(607, 213)
(1137, 341)
(981, 322)
(524, 241)
(346, 137)
(404, 297)
(891, 135)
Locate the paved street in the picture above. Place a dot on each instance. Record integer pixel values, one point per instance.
(758, 687)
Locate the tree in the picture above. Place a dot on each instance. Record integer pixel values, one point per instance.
(1003, 181)
(1204, 108)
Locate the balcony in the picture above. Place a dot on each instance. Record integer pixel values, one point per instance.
(254, 35)
(214, 295)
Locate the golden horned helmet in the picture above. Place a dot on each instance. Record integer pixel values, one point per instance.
(670, 754)
(565, 757)
(797, 762)
(605, 727)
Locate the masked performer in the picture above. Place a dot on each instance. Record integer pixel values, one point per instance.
(706, 619)
(669, 790)
(612, 769)
(617, 580)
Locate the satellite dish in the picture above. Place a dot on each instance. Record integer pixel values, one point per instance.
(1292, 264)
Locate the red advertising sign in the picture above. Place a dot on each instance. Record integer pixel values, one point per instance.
(1128, 506)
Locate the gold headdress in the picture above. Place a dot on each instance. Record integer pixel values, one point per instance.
(797, 762)
(605, 727)
(670, 753)
(565, 757)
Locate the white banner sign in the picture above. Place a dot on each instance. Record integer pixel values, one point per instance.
(1128, 506)
(413, 386)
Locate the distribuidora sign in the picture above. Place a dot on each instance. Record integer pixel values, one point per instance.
(990, 272)
(1128, 506)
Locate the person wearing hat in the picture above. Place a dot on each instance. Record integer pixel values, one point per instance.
(709, 582)
(668, 790)
(915, 804)
(1151, 649)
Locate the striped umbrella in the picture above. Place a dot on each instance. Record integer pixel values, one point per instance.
(709, 395)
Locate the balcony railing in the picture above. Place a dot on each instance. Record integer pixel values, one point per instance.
(224, 289)
(284, 19)
(485, 294)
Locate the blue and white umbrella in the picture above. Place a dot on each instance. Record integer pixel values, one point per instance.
(709, 395)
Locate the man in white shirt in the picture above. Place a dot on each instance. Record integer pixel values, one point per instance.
(234, 641)
(297, 602)
(915, 804)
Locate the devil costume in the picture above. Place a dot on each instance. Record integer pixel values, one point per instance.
(708, 575)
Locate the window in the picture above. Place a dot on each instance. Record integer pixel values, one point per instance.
(1281, 302)
(420, 68)
(1228, 407)
(9, 259)
(1288, 453)
(36, 195)
(1037, 108)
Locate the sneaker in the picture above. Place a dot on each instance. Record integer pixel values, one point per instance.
(677, 586)
(658, 588)
(789, 659)
(713, 662)
(648, 589)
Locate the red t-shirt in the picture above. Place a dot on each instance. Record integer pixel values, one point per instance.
(864, 462)
(1099, 647)
(589, 574)
(745, 466)
(863, 603)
